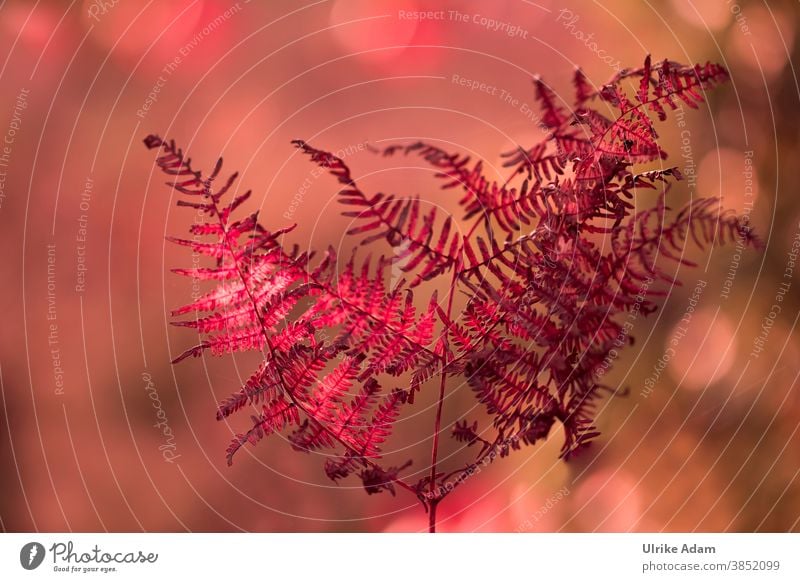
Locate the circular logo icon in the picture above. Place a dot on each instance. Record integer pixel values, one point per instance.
(31, 555)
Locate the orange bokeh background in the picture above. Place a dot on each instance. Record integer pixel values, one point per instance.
(713, 447)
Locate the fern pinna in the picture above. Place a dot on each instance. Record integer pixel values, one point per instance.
(551, 260)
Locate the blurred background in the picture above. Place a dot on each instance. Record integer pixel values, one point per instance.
(99, 432)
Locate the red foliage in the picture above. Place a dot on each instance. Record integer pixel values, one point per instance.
(544, 299)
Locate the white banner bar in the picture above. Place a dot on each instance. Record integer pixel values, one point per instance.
(401, 557)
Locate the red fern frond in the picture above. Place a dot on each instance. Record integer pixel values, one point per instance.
(274, 417)
(545, 299)
(397, 220)
(553, 114)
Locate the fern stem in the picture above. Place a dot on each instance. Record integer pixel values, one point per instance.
(432, 517)
(434, 453)
(437, 427)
